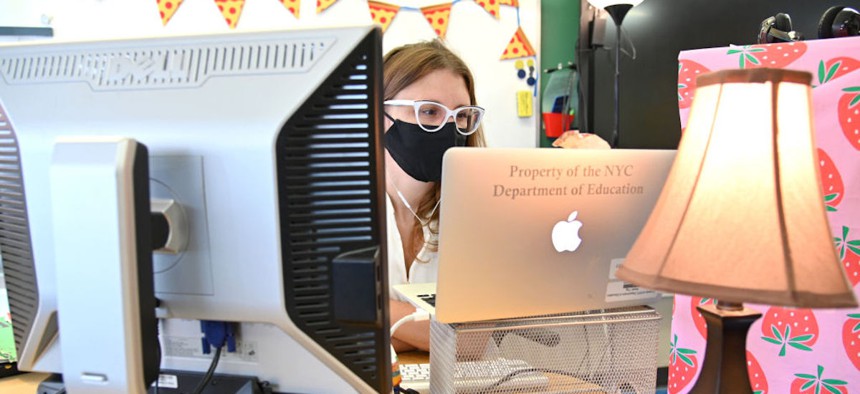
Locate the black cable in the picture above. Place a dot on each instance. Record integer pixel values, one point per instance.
(586, 356)
(208, 376)
(158, 346)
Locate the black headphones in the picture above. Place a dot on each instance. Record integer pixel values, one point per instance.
(777, 28)
(839, 21)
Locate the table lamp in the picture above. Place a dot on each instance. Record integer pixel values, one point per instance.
(617, 9)
(741, 217)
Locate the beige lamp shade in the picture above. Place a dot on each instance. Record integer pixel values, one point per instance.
(741, 217)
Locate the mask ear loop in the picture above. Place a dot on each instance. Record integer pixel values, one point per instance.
(403, 198)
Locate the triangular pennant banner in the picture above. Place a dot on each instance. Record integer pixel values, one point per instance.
(323, 5)
(167, 8)
(382, 13)
(438, 16)
(492, 6)
(231, 9)
(293, 6)
(519, 46)
(513, 3)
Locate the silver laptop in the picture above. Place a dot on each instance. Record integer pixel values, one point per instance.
(535, 231)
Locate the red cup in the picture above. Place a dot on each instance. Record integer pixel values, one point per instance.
(553, 123)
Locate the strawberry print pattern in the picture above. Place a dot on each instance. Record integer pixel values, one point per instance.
(848, 110)
(790, 328)
(758, 381)
(683, 366)
(849, 254)
(851, 339)
(776, 55)
(831, 181)
(805, 383)
(688, 70)
(835, 68)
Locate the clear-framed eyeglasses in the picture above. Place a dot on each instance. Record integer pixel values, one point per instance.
(431, 116)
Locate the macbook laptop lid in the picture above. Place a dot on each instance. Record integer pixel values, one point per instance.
(526, 232)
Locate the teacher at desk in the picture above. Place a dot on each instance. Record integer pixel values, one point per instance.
(430, 106)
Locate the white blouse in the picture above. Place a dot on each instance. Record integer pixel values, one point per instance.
(423, 269)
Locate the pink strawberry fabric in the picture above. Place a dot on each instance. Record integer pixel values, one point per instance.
(793, 350)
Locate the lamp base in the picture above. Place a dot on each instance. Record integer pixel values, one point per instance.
(724, 370)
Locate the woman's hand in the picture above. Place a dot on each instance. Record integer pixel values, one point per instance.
(576, 140)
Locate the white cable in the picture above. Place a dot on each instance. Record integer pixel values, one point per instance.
(418, 315)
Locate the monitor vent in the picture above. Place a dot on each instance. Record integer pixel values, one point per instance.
(331, 202)
(15, 247)
(166, 66)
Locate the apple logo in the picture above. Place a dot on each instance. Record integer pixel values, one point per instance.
(565, 234)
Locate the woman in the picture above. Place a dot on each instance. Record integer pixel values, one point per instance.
(429, 108)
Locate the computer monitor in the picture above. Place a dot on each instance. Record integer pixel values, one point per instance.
(267, 144)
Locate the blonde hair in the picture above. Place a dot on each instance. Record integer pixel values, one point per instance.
(403, 66)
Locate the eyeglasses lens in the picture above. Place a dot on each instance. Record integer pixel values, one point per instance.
(432, 115)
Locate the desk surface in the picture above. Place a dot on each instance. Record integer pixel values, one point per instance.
(22, 383)
(413, 357)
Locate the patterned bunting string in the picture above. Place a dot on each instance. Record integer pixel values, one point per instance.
(518, 47)
(231, 9)
(167, 8)
(438, 17)
(492, 6)
(382, 13)
(293, 6)
(323, 5)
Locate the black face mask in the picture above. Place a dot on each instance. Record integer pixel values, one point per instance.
(418, 152)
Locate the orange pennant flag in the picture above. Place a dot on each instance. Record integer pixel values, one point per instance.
(492, 6)
(231, 9)
(292, 6)
(438, 16)
(382, 13)
(518, 47)
(323, 5)
(513, 3)
(167, 8)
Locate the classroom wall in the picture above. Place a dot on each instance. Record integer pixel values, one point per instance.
(559, 34)
(479, 37)
(554, 37)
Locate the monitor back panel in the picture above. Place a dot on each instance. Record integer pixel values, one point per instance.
(526, 232)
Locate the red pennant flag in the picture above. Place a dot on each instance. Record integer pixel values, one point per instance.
(513, 3)
(231, 9)
(323, 5)
(293, 6)
(382, 13)
(492, 6)
(438, 16)
(167, 8)
(519, 46)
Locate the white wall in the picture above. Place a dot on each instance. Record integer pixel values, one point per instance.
(472, 33)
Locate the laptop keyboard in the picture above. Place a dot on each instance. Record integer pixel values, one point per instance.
(474, 376)
(428, 298)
